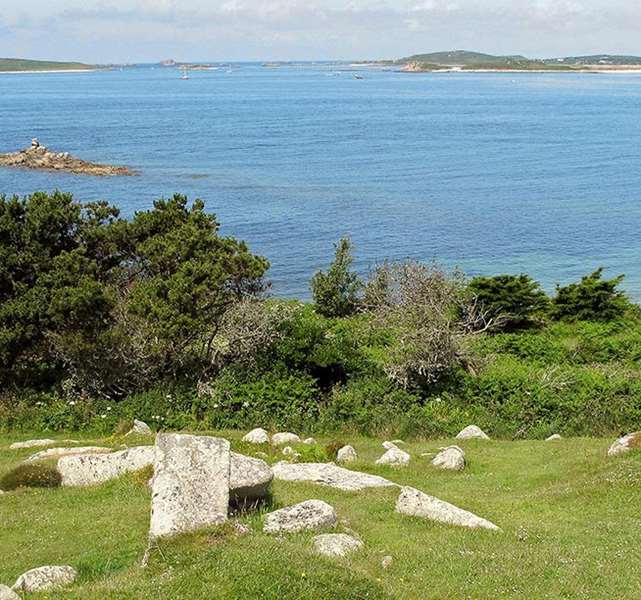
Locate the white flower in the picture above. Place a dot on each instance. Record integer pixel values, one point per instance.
(103, 416)
(245, 404)
(109, 408)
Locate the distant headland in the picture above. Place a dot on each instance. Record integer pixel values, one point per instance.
(17, 65)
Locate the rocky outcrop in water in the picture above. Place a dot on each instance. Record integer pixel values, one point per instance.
(41, 158)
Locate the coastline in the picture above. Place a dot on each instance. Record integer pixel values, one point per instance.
(48, 71)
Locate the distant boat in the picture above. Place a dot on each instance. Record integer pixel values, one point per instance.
(357, 76)
(184, 75)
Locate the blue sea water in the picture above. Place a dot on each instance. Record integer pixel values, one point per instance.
(529, 172)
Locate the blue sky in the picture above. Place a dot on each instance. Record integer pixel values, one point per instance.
(150, 30)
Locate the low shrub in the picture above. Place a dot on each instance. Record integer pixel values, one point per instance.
(36, 475)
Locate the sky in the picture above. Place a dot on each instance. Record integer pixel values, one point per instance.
(116, 31)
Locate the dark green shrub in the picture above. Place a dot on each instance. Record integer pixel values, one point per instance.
(510, 301)
(35, 475)
(591, 299)
(331, 449)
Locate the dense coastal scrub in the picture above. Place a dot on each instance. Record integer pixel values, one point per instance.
(161, 318)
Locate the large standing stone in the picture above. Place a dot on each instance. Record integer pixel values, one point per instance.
(59, 452)
(330, 475)
(451, 458)
(346, 454)
(417, 504)
(31, 444)
(257, 436)
(472, 432)
(625, 444)
(6, 593)
(250, 478)
(336, 544)
(94, 469)
(278, 439)
(190, 488)
(308, 515)
(45, 578)
(395, 457)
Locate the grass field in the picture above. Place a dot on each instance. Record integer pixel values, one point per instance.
(21, 64)
(570, 519)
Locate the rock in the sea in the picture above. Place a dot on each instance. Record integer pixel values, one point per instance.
(257, 436)
(553, 438)
(190, 488)
(346, 454)
(6, 593)
(45, 578)
(249, 479)
(395, 457)
(625, 444)
(387, 561)
(330, 475)
(336, 544)
(94, 469)
(60, 452)
(451, 458)
(310, 441)
(472, 432)
(278, 439)
(31, 444)
(415, 503)
(308, 515)
(140, 428)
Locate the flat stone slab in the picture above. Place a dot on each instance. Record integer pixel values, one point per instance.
(250, 478)
(97, 468)
(330, 475)
(190, 487)
(415, 503)
(336, 544)
(308, 515)
(60, 452)
(32, 444)
(45, 578)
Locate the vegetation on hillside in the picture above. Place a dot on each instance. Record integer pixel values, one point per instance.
(21, 64)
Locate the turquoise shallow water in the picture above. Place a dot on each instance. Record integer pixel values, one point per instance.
(493, 172)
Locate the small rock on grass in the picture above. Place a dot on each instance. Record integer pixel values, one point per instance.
(336, 544)
(472, 432)
(278, 439)
(31, 444)
(389, 445)
(308, 515)
(257, 436)
(6, 593)
(553, 438)
(45, 578)
(451, 458)
(139, 428)
(395, 457)
(310, 441)
(387, 561)
(625, 444)
(346, 454)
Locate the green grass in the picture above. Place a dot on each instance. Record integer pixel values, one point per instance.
(21, 64)
(569, 515)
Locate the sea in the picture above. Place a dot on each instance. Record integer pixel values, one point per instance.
(491, 172)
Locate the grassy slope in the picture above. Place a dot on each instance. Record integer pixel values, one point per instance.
(569, 518)
(20, 64)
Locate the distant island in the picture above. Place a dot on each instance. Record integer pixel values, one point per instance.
(463, 60)
(9, 65)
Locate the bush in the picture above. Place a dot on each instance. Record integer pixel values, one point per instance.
(592, 299)
(34, 475)
(510, 301)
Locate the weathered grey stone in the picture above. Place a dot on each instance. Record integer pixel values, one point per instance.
(94, 469)
(346, 454)
(31, 444)
(310, 441)
(389, 445)
(625, 444)
(59, 452)
(336, 544)
(257, 436)
(278, 439)
(140, 428)
(472, 432)
(330, 475)
(415, 503)
(6, 593)
(190, 488)
(553, 438)
(249, 478)
(45, 578)
(387, 561)
(289, 451)
(451, 458)
(308, 515)
(395, 457)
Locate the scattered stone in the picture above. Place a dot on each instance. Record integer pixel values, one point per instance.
(94, 469)
(310, 441)
(249, 479)
(336, 544)
(346, 454)
(257, 436)
(417, 504)
(452, 458)
(625, 444)
(397, 442)
(140, 428)
(6, 593)
(241, 528)
(190, 488)
(308, 515)
(472, 432)
(278, 439)
(386, 562)
(330, 475)
(60, 452)
(31, 444)
(553, 437)
(394, 456)
(289, 451)
(45, 578)
(389, 445)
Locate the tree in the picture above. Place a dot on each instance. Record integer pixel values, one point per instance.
(591, 299)
(336, 292)
(511, 301)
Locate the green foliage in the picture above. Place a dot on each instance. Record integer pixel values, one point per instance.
(34, 475)
(336, 292)
(591, 299)
(510, 301)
